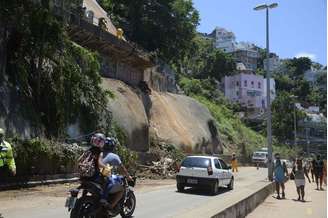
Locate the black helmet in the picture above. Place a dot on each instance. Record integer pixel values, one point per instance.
(110, 144)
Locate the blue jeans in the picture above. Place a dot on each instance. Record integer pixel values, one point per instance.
(114, 184)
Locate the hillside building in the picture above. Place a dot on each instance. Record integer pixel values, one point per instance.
(243, 52)
(249, 90)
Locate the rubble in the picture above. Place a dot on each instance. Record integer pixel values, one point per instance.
(164, 168)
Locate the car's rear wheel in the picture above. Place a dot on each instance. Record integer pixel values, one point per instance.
(215, 188)
(231, 184)
(180, 187)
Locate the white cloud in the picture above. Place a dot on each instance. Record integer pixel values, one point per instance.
(313, 57)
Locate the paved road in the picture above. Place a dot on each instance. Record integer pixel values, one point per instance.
(158, 201)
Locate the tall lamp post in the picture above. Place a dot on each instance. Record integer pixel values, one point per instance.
(294, 97)
(269, 130)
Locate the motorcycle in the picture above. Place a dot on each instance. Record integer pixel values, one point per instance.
(88, 205)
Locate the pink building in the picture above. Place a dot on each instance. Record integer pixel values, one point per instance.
(248, 89)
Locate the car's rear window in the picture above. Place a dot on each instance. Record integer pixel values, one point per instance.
(258, 154)
(199, 162)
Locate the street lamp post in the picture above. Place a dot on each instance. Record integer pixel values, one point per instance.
(269, 130)
(295, 128)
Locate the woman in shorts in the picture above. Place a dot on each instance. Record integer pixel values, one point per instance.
(299, 173)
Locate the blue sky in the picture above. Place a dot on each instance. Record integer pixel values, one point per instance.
(297, 27)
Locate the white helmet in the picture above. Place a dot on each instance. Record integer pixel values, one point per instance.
(98, 140)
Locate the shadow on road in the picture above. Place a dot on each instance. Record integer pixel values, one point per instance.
(202, 191)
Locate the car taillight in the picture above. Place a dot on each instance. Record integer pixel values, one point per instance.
(209, 170)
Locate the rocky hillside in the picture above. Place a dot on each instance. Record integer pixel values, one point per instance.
(161, 118)
(180, 120)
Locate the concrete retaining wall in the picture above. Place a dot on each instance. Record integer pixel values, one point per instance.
(246, 205)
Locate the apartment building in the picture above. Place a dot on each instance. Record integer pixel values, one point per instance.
(249, 90)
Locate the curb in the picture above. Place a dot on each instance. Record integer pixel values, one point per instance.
(246, 205)
(28, 184)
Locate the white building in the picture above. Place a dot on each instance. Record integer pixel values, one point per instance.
(247, 54)
(243, 52)
(248, 89)
(274, 62)
(224, 39)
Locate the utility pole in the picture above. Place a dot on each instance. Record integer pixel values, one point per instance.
(268, 76)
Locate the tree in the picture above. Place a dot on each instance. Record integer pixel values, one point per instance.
(297, 66)
(56, 81)
(204, 61)
(166, 27)
(283, 116)
(219, 64)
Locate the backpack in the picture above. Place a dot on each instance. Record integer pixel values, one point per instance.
(86, 165)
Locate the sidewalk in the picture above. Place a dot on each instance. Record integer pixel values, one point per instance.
(315, 205)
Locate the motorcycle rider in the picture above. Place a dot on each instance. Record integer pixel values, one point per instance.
(114, 186)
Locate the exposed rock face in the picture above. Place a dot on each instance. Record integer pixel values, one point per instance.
(169, 118)
(182, 121)
(129, 113)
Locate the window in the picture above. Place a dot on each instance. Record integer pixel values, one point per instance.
(252, 83)
(224, 165)
(245, 83)
(217, 164)
(237, 93)
(259, 85)
(237, 83)
(199, 162)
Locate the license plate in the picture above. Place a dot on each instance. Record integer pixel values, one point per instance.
(192, 181)
(70, 202)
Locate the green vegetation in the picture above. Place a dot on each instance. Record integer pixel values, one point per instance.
(162, 27)
(129, 157)
(286, 152)
(44, 157)
(283, 116)
(204, 61)
(57, 81)
(232, 131)
(291, 88)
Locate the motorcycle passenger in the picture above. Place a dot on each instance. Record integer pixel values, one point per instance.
(97, 142)
(114, 186)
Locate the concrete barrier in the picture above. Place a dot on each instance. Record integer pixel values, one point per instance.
(246, 205)
(39, 180)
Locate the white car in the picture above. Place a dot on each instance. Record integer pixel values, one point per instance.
(204, 171)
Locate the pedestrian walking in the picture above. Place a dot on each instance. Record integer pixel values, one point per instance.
(299, 172)
(7, 162)
(280, 176)
(325, 172)
(318, 171)
(234, 163)
(312, 167)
